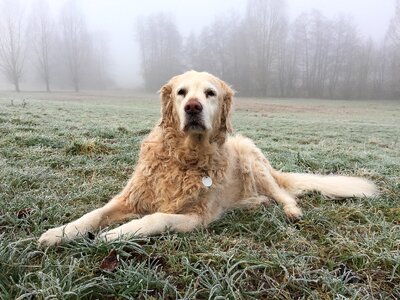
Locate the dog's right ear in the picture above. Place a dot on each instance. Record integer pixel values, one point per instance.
(226, 123)
(167, 106)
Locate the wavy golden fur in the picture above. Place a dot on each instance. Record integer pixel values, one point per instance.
(190, 171)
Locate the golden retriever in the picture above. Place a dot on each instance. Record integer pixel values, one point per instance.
(190, 171)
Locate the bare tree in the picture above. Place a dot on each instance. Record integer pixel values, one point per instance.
(218, 37)
(318, 54)
(76, 41)
(12, 44)
(344, 55)
(160, 48)
(191, 52)
(392, 51)
(394, 28)
(289, 62)
(43, 39)
(285, 61)
(98, 63)
(311, 36)
(363, 69)
(266, 21)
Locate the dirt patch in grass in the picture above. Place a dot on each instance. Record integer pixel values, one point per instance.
(92, 147)
(142, 132)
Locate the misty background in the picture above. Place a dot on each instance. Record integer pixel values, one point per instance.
(263, 48)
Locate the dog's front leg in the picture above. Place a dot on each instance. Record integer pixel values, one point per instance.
(154, 224)
(114, 211)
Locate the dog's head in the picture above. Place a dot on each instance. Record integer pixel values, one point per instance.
(197, 103)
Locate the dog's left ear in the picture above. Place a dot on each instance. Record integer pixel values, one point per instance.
(226, 108)
(226, 123)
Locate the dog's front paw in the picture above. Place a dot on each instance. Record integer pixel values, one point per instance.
(51, 237)
(292, 212)
(110, 235)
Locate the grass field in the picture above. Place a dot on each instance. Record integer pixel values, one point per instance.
(64, 154)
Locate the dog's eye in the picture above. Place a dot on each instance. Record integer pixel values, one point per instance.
(182, 92)
(209, 93)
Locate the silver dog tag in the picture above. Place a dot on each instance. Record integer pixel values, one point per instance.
(207, 181)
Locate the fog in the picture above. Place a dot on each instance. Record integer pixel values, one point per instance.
(308, 48)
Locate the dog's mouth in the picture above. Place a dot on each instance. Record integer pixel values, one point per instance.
(194, 123)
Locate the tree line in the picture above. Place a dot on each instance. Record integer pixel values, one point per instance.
(61, 52)
(262, 54)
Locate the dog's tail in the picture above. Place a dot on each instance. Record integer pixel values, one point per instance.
(333, 186)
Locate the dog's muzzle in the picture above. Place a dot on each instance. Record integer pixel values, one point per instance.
(193, 115)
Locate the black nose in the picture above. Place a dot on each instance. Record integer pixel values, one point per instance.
(193, 107)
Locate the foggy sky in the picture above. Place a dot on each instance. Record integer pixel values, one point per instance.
(117, 18)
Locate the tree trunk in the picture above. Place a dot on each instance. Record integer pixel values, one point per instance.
(47, 85)
(16, 84)
(76, 86)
